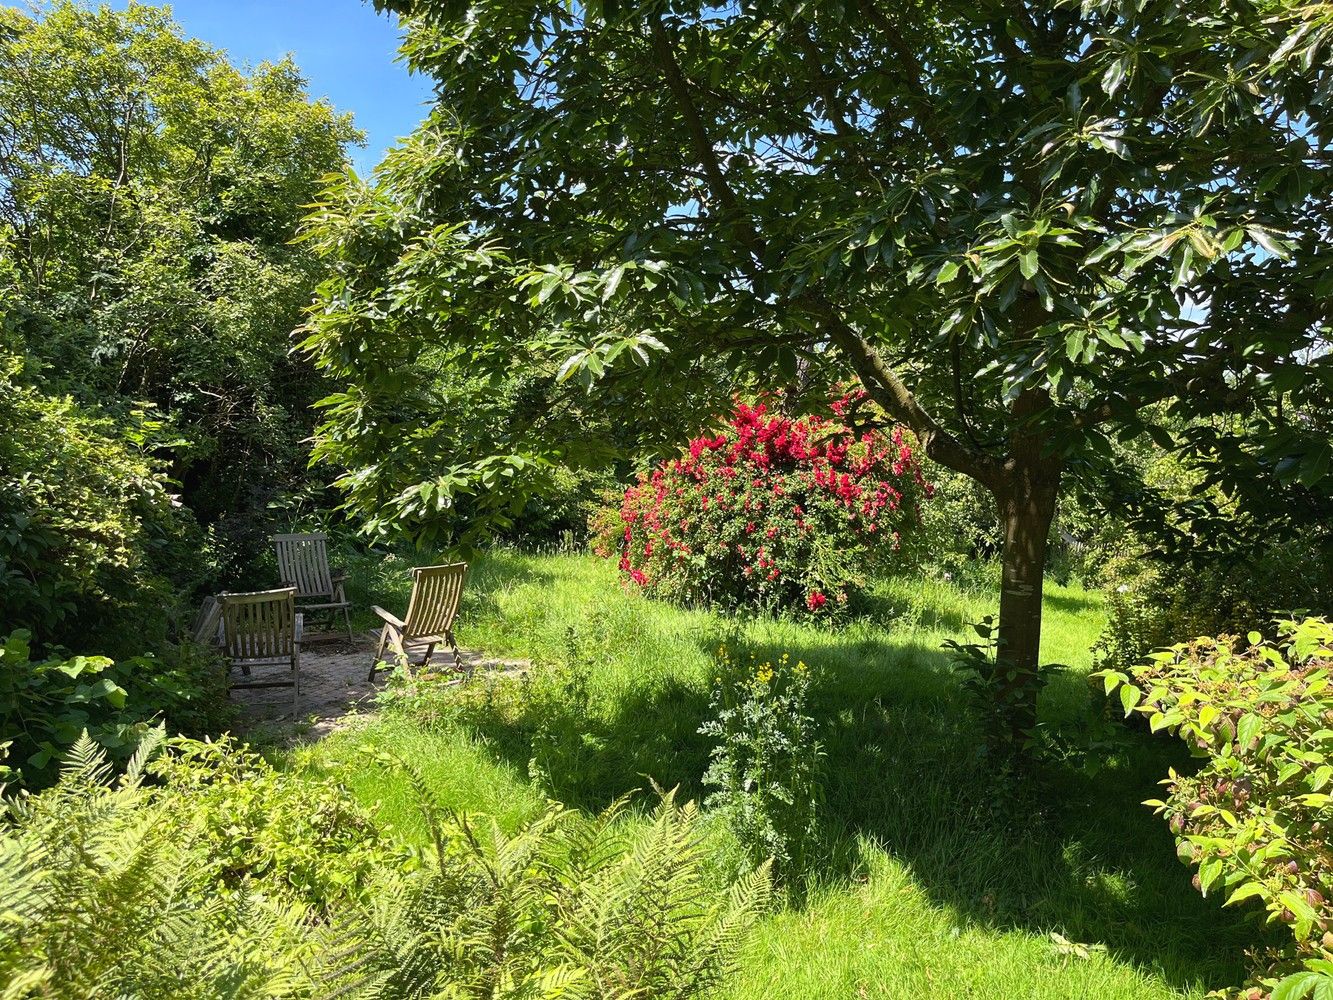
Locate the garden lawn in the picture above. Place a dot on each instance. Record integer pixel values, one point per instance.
(939, 883)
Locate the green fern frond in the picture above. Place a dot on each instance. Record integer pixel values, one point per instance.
(149, 744)
(85, 764)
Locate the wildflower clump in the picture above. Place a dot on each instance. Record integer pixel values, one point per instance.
(766, 763)
(773, 512)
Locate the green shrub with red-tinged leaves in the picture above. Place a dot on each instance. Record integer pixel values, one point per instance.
(774, 513)
(1255, 820)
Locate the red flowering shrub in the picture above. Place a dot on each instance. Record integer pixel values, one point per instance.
(774, 513)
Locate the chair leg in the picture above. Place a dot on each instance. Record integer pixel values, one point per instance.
(347, 620)
(379, 652)
(425, 657)
(398, 646)
(458, 657)
(296, 681)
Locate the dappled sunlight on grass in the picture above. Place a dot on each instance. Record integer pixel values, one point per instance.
(461, 775)
(939, 880)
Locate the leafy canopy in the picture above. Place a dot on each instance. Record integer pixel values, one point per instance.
(149, 191)
(1019, 225)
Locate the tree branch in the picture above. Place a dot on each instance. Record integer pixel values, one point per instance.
(703, 146)
(887, 389)
(879, 380)
(915, 75)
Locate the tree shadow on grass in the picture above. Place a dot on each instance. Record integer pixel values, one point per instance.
(888, 610)
(386, 581)
(1080, 856)
(1073, 602)
(591, 754)
(904, 773)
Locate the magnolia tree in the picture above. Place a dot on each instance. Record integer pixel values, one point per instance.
(1026, 229)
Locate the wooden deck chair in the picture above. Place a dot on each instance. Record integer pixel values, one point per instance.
(303, 563)
(207, 626)
(263, 629)
(431, 610)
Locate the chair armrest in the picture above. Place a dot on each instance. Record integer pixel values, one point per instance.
(393, 620)
(337, 574)
(298, 626)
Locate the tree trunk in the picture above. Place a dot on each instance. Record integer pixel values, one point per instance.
(1027, 506)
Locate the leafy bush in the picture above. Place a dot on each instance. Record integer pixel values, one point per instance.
(774, 512)
(1151, 605)
(560, 512)
(90, 537)
(148, 237)
(1255, 819)
(45, 705)
(571, 906)
(580, 743)
(961, 524)
(566, 744)
(108, 893)
(113, 888)
(1001, 691)
(766, 762)
(308, 839)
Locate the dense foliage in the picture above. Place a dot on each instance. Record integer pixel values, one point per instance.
(1254, 819)
(107, 892)
(149, 191)
(254, 825)
(116, 886)
(568, 736)
(1151, 603)
(1178, 558)
(772, 512)
(1001, 218)
(47, 704)
(92, 542)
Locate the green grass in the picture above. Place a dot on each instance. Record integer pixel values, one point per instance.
(938, 887)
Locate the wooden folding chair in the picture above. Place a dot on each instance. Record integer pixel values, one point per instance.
(431, 610)
(303, 563)
(263, 629)
(206, 629)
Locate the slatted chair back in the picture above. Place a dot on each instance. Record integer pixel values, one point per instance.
(436, 592)
(303, 562)
(259, 625)
(204, 629)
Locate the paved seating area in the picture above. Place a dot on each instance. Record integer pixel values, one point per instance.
(334, 689)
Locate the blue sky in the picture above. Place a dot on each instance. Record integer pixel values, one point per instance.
(346, 51)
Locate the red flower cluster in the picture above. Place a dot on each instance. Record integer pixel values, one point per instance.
(775, 512)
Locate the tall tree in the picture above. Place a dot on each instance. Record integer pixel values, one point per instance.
(1023, 227)
(149, 191)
